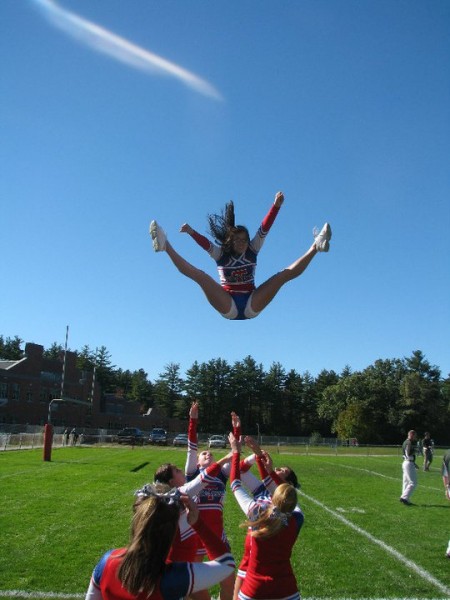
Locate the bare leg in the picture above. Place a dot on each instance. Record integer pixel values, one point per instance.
(266, 292)
(446, 481)
(216, 295)
(237, 587)
(201, 594)
(227, 588)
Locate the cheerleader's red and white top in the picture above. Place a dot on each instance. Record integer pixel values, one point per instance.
(210, 499)
(237, 273)
(186, 543)
(178, 579)
(268, 572)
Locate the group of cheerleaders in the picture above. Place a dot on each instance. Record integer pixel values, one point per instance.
(178, 520)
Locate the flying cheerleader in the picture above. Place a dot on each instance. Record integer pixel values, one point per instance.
(236, 297)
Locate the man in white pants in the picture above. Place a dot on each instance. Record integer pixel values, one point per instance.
(409, 467)
(445, 470)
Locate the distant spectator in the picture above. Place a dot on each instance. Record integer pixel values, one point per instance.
(445, 470)
(74, 436)
(66, 436)
(427, 449)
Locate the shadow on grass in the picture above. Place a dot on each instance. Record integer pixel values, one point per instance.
(139, 467)
(433, 506)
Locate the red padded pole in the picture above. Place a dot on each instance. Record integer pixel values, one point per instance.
(48, 439)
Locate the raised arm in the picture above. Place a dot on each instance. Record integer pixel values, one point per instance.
(246, 463)
(192, 488)
(191, 457)
(244, 499)
(214, 251)
(180, 579)
(267, 222)
(236, 425)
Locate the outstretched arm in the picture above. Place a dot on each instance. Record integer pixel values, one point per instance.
(267, 222)
(214, 251)
(243, 498)
(205, 477)
(236, 424)
(191, 458)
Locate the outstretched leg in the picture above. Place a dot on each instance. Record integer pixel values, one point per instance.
(266, 292)
(215, 294)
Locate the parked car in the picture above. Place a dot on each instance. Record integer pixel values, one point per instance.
(158, 436)
(130, 435)
(180, 440)
(217, 441)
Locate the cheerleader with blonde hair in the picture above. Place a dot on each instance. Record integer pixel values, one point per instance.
(273, 527)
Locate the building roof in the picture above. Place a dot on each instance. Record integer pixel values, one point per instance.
(7, 364)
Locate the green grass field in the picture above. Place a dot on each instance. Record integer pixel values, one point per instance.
(358, 541)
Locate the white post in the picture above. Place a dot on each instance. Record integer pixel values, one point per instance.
(64, 364)
(93, 378)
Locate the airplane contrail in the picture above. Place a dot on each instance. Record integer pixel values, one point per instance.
(113, 45)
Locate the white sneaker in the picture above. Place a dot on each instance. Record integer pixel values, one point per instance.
(322, 238)
(158, 236)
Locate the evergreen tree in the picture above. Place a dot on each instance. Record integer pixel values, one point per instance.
(10, 348)
(246, 384)
(55, 352)
(141, 389)
(168, 389)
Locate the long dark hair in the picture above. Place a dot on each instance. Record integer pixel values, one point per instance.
(219, 225)
(223, 227)
(292, 479)
(154, 525)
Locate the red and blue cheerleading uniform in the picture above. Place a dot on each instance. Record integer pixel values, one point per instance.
(237, 272)
(178, 579)
(266, 568)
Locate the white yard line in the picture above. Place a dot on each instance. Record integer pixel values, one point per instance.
(406, 561)
(370, 472)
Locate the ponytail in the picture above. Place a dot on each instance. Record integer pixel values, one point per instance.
(154, 525)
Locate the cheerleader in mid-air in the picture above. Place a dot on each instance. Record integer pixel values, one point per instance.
(236, 297)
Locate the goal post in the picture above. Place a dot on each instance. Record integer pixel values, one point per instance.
(48, 428)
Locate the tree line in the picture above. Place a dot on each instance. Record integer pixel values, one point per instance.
(377, 405)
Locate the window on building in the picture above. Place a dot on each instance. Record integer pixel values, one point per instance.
(3, 390)
(114, 409)
(30, 396)
(50, 376)
(44, 395)
(15, 391)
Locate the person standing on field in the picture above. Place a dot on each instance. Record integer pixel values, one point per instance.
(409, 467)
(445, 472)
(427, 447)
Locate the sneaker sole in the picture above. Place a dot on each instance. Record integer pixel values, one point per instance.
(153, 235)
(325, 234)
(153, 230)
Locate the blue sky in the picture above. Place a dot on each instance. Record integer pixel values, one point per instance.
(116, 112)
